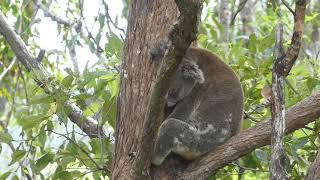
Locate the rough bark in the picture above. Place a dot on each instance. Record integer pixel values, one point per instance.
(149, 23)
(282, 65)
(277, 161)
(178, 39)
(183, 32)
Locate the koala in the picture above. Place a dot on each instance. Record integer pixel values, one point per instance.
(206, 101)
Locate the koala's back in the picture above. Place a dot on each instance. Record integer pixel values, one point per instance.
(224, 100)
(206, 115)
(218, 102)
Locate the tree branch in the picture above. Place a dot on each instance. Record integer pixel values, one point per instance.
(281, 69)
(87, 125)
(241, 5)
(5, 71)
(17, 45)
(292, 53)
(53, 17)
(297, 117)
(181, 35)
(277, 161)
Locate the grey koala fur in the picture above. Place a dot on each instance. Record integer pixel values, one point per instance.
(207, 101)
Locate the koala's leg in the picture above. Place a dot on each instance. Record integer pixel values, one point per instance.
(174, 135)
(187, 141)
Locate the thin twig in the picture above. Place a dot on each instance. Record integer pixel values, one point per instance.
(106, 7)
(53, 17)
(4, 72)
(240, 7)
(83, 150)
(287, 6)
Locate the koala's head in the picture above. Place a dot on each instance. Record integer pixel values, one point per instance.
(187, 76)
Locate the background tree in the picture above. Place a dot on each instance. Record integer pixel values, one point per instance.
(58, 121)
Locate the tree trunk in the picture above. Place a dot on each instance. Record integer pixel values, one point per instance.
(148, 24)
(224, 19)
(248, 17)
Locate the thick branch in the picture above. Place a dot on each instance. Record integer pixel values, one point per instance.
(87, 125)
(180, 38)
(293, 51)
(297, 117)
(281, 68)
(17, 45)
(314, 171)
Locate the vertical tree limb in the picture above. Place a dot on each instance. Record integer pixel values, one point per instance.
(277, 161)
(282, 65)
(180, 38)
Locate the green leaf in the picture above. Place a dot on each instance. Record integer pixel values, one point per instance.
(114, 46)
(5, 175)
(15, 10)
(102, 18)
(42, 98)
(72, 148)
(42, 137)
(312, 16)
(17, 155)
(43, 161)
(114, 87)
(267, 42)
(252, 43)
(31, 121)
(108, 77)
(67, 81)
(312, 82)
(62, 175)
(5, 137)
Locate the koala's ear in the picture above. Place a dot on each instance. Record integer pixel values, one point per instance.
(190, 76)
(190, 71)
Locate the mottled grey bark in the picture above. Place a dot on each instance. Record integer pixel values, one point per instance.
(225, 19)
(247, 15)
(282, 64)
(277, 161)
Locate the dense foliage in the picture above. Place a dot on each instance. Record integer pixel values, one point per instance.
(38, 140)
